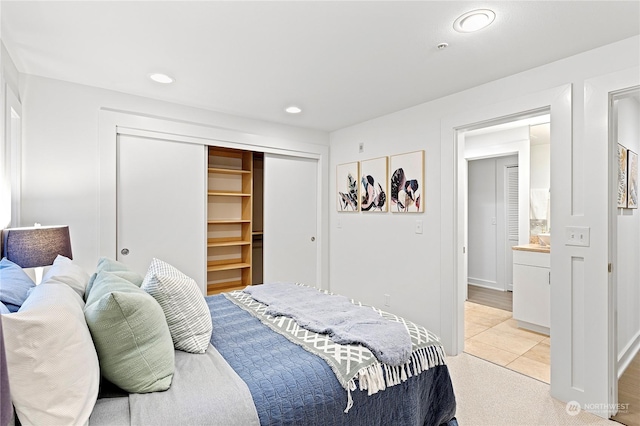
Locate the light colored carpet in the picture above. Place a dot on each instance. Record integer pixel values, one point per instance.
(490, 395)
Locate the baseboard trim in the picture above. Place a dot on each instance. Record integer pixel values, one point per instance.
(628, 353)
(492, 285)
(534, 327)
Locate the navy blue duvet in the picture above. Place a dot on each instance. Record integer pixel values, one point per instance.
(291, 386)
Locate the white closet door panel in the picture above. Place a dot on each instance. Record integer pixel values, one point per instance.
(290, 219)
(161, 204)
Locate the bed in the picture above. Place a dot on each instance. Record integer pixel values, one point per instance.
(248, 373)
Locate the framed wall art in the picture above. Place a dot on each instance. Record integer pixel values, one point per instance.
(373, 185)
(347, 187)
(622, 176)
(406, 182)
(632, 180)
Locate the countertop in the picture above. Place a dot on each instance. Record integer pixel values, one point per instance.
(533, 247)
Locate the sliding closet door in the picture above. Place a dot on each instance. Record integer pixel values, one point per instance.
(290, 219)
(160, 189)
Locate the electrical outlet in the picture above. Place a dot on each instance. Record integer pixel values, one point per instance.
(387, 300)
(577, 236)
(361, 147)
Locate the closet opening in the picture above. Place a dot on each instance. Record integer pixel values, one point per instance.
(259, 206)
(234, 219)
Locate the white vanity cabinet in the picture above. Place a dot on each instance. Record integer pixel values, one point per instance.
(532, 288)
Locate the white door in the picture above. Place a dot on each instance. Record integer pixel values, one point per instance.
(160, 189)
(290, 219)
(511, 222)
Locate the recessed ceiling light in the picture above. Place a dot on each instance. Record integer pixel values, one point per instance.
(161, 78)
(442, 46)
(474, 20)
(293, 109)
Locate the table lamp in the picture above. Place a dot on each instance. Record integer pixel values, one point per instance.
(36, 246)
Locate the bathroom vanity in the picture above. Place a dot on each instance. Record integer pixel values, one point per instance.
(532, 287)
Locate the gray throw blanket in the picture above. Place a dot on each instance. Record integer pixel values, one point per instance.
(337, 316)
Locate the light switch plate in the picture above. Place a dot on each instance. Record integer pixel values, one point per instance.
(418, 227)
(577, 236)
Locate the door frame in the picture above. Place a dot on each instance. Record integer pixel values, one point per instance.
(598, 129)
(625, 359)
(115, 122)
(557, 102)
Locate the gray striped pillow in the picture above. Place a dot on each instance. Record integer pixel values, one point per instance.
(183, 304)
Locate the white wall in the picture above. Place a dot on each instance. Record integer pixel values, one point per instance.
(9, 152)
(628, 243)
(9, 70)
(486, 242)
(61, 152)
(500, 143)
(373, 255)
(482, 233)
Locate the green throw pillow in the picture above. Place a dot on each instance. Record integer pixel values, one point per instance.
(116, 268)
(130, 334)
(120, 269)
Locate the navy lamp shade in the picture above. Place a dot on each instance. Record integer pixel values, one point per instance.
(34, 247)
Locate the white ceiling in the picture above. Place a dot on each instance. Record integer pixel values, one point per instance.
(342, 62)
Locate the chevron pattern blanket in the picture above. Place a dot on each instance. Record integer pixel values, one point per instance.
(355, 366)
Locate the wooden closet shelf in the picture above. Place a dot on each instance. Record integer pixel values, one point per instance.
(211, 243)
(229, 194)
(227, 221)
(229, 218)
(213, 288)
(228, 171)
(227, 266)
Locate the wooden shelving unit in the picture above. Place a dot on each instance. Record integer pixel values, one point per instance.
(229, 219)
(258, 218)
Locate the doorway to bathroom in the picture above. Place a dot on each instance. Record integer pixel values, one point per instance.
(507, 199)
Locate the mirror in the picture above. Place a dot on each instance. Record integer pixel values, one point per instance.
(540, 184)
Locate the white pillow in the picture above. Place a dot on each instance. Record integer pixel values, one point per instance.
(183, 304)
(65, 271)
(52, 364)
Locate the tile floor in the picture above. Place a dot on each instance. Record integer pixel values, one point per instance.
(492, 334)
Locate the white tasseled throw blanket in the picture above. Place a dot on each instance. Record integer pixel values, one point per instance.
(351, 362)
